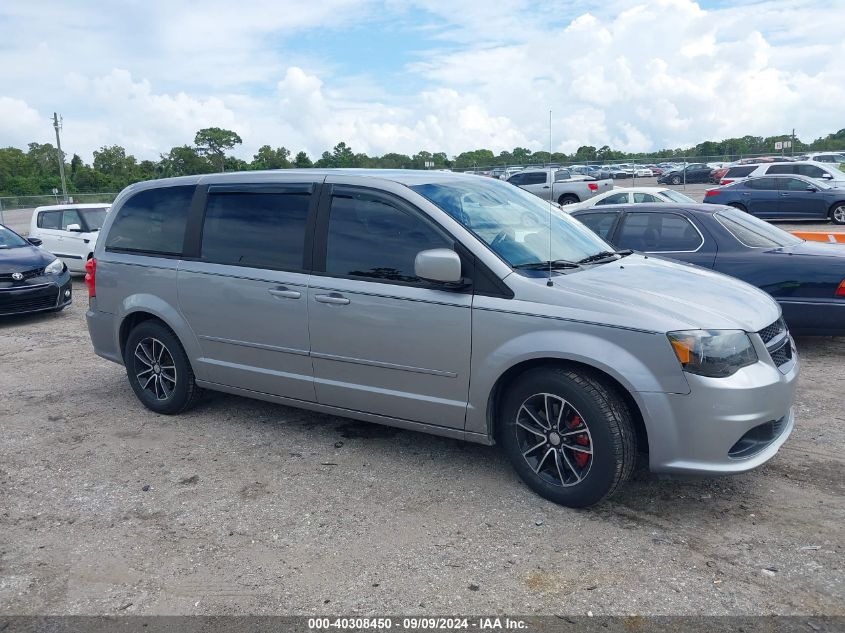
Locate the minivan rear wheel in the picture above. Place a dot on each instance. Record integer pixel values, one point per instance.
(158, 369)
(568, 435)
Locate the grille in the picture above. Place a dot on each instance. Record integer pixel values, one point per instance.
(22, 304)
(27, 274)
(770, 332)
(783, 354)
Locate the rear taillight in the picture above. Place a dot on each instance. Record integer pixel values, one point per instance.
(840, 291)
(593, 186)
(711, 192)
(91, 277)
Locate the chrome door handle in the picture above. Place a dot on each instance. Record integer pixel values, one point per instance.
(333, 299)
(284, 293)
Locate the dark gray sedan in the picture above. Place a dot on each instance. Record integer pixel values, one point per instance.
(783, 198)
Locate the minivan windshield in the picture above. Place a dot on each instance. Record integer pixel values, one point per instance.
(514, 223)
(10, 239)
(94, 218)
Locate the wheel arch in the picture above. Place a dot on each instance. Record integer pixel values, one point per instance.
(838, 203)
(568, 196)
(140, 308)
(494, 402)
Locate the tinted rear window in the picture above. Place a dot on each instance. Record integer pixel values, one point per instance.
(152, 221)
(740, 172)
(262, 230)
(50, 220)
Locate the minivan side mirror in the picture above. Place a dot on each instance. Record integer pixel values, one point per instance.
(440, 265)
(35, 241)
(827, 176)
(74, 228)
(811, 188)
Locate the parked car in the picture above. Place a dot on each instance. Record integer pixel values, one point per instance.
(811, 169)
(643, 172)
(31, 279)
(826, 157)
(69, 231)
(510, 171)
(599, 172)
(718, 173)
(806, 278)
(783, 198)
(633, 195)
(559, 185)
(422, 300)
(692, 173)
(618, 172)
(732, 174)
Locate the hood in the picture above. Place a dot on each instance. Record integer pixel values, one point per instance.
(15, 260)
(655, 294)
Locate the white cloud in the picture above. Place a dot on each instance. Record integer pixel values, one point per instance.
(636, 75)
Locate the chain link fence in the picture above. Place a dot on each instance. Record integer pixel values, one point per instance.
(635, 161)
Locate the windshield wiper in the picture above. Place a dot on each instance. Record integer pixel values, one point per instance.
(604, 255)
(557, 264)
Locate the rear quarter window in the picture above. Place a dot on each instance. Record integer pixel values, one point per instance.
(152, 221)
(740, 172)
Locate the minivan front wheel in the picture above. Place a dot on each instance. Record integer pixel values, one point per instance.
(158, 369)
(837, 213)
(568, 435)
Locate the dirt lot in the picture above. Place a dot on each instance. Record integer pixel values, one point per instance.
(246, 507)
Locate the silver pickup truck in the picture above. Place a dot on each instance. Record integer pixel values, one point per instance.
(560, 185)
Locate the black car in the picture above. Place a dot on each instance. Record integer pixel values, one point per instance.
(31, 279)
(692, 173)
(806, 278)
(782, 197)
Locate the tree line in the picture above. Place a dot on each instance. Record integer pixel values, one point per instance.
(36, 170)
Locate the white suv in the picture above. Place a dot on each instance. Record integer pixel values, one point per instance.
(811, 169)
(69, 231)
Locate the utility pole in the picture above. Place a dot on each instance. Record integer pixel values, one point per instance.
(793, 141)
(58, 125)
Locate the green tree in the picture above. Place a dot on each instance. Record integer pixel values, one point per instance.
(118, 168)
(343, 156)
(183, 161)
(269, 158)
(302, 161)
(213, 143)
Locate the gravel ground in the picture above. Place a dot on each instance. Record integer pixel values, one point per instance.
(242, 506)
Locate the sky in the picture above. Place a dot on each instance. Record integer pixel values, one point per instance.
(403, 76)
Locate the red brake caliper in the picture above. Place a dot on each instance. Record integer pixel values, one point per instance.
(581, 459)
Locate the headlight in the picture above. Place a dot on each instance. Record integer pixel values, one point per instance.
(55, 267)
(713, 353)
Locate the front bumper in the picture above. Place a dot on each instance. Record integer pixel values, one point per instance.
(38, 294)
(724, 425)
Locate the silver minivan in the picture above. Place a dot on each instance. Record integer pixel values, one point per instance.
(444, 303)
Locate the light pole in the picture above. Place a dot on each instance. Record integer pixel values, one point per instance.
(58, 125)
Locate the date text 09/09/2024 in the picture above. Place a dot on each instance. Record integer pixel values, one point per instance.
(417, 623)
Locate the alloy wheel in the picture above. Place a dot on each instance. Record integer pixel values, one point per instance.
(554, 439)
(839, 214)
(154, 368)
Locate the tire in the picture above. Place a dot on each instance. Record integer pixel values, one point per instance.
(576, 400)
(676, 180)
(738, 206)
(837, 213)
(568, 198)
(159, 374)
